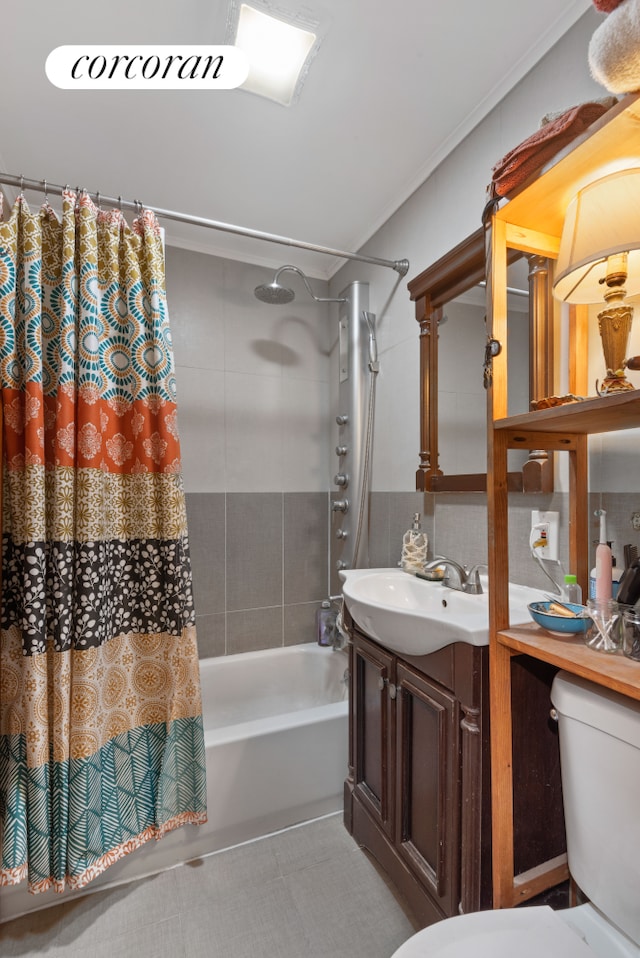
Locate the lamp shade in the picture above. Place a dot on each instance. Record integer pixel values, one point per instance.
(602, 220)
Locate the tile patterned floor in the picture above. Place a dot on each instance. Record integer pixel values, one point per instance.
(308, 892)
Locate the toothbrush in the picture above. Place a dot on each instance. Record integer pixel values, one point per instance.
(603, 561)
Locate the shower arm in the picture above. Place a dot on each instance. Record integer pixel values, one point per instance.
(318, 299)
(401, 266)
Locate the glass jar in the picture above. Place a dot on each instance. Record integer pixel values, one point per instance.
(605, 631)
(631, 633)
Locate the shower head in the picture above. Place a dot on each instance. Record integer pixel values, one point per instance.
(274, 293)
(278, 295)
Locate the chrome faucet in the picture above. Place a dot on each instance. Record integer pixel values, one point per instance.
(458, 576)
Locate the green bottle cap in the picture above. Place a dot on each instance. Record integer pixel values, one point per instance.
(571, 579)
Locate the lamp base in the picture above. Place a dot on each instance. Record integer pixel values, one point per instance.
(613, 383)
(614, 323)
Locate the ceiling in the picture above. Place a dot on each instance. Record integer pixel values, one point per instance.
(393, 89)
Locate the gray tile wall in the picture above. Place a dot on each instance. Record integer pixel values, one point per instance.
(260, 562)
(457, 526)
(259, 568)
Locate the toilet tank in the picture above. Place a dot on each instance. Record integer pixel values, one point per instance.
(600, 762)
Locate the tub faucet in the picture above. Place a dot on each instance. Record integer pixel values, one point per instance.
(458, 576)
(342, 637)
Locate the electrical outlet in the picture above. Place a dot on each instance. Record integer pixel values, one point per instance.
(635, 521)
(544, 533)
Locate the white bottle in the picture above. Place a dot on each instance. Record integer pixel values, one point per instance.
(414, 547)
(572, 591)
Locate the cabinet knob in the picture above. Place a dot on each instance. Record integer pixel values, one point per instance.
(392, 688)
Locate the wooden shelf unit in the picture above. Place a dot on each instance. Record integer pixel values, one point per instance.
(615, 672)
(606, 414)
(531, 220)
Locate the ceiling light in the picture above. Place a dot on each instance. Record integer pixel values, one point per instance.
(279, 53)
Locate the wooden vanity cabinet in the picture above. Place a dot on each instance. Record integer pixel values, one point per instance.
(428, 784)
(404, 792)
(406, 733)
(418, 792)
(373, 678)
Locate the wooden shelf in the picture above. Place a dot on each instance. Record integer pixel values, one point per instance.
(531, 220)
(614, 671)
(601, 414)
(612, 143)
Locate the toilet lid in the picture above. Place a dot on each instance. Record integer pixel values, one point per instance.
(508, 933)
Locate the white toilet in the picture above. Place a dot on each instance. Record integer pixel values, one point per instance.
(600, 761)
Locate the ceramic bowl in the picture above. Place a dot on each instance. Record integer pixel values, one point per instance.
(539, 612)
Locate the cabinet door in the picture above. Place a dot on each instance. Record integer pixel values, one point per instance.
(373, 746)
(428, 785)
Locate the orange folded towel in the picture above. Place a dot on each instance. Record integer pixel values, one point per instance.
(530, 155)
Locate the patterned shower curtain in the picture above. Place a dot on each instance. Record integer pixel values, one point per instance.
(101, 741)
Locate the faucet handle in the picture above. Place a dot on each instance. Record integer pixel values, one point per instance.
(474, 586)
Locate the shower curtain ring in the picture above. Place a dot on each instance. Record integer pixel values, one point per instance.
(120, 203)
(21, 185)
(98, 199)
(46, 195)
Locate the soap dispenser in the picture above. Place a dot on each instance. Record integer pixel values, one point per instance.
(414, 547)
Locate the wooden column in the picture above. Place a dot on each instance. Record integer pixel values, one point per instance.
(498, 555)
(429, 320)
(537, 472)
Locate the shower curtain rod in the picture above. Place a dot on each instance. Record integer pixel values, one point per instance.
(401, 266)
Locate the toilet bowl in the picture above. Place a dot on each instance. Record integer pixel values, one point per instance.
(599, 734)
(533, 932)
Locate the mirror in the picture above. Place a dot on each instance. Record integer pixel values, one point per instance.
(450, 298)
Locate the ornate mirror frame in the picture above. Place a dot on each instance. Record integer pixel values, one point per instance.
(457, 271)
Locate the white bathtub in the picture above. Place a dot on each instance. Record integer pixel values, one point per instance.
(276, 744)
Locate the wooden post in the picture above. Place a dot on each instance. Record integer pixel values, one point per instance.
(429, 320)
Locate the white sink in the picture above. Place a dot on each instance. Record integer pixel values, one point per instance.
(416, 617)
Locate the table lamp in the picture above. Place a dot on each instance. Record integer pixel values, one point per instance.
(599, 259)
